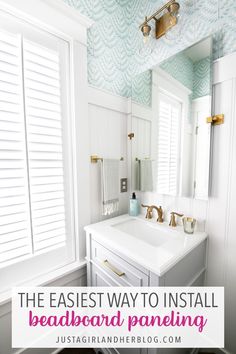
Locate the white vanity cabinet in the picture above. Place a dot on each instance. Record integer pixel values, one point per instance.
(107, 267)
(113, 260)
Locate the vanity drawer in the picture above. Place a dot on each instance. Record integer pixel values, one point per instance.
(100, 278)
(121, 271)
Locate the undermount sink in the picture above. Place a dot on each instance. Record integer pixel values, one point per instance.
(143, 230)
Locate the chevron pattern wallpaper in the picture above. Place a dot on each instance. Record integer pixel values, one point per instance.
(142, 88)
(114, 40)
(202, 78)
(180, 67)
(195, 76)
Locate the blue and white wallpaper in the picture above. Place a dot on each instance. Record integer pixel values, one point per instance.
(202, 78)
(142, 88)
(180, 67)
(114, 40)
(196, 76)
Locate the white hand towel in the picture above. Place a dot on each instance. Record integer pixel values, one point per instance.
(144, 180)
(110, 186)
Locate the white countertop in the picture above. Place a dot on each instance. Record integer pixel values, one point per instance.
(156, 258)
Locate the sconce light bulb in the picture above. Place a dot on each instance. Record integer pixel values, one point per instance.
(145, 39)
(174, 9)
(146, 29)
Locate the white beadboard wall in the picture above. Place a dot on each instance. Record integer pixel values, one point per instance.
(221, 218)
(108, 139)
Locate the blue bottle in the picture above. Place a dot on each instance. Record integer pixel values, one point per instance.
(133, 205)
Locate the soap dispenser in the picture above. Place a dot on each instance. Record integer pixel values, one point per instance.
(133, 205)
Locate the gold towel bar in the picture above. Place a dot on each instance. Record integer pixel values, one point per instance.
(95, 159)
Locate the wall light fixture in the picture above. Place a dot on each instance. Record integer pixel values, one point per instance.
(165, 18)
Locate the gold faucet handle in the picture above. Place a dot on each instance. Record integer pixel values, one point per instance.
(149, 211)
(160, 214)
(172, 218)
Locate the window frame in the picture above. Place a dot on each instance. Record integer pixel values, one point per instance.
(75, 35)
(164, 82)
(173, 101)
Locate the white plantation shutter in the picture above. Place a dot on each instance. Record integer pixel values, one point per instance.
(44, 135)
(168, 143)
(15, 232)
(36, 202)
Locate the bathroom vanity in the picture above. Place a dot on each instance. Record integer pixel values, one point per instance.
(134, 251)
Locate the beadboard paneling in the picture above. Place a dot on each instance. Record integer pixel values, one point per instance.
(221, 222)
(108, 139)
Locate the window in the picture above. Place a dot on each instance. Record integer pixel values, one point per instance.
(168, 144)
(36, 204)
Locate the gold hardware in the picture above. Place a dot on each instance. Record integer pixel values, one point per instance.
(113, 269)
(162, 23)
(131, 136)
(216, 120)
(146, 28)
(149, 212)
(95, 159)
(172, 218)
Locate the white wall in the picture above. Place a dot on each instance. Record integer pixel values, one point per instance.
(108, 139)
(221, 219)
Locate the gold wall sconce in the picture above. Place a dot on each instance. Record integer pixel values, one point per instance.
(168, 19)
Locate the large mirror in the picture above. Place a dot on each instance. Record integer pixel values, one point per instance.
(171, 144)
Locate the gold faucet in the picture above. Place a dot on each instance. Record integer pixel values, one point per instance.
(149, 212)
(172, 218)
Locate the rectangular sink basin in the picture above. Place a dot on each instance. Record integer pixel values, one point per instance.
(144, 231)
